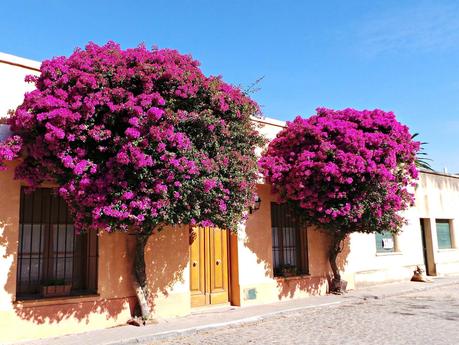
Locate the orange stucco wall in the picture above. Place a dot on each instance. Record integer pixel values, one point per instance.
(167, 268)
(60, 315)
(256, 258)
(167, 261)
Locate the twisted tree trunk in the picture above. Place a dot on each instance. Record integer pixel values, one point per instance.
(336, 247)
(140, 282)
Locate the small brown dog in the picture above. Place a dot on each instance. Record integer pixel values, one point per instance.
(419, 276)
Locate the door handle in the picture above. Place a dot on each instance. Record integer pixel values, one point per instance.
(218, 262)
(195, 263)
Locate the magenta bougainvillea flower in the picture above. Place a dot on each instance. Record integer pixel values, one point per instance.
(346, 170)
(9, 149)
(137, 137)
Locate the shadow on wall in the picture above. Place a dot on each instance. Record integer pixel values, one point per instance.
(116, 294)
(318, 280)
(8, 248)
(343, 256)
(258, 230)
(166, 258)
(107, 303)
(81, 311)
(288, 287)
(259, 241)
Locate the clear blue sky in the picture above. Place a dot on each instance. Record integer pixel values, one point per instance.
(394, 55)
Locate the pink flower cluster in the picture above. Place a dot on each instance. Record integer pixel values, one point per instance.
(137, 137)
(10, 149)
(348, 169)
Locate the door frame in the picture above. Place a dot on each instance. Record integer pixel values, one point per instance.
(233, 267)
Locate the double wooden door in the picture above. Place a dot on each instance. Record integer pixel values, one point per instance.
(209, 266)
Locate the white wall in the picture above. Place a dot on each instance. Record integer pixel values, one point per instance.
(437, 197)
(12, 85)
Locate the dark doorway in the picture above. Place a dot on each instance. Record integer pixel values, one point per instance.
(427, 250)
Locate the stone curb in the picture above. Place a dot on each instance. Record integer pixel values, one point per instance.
(145, 339)
(352, 297)
(193, 330)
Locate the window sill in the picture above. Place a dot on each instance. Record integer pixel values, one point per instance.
(448, 250)
(298, 277)
(389, 253)
(57, 300)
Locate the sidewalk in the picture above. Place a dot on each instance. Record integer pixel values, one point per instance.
(227, 316)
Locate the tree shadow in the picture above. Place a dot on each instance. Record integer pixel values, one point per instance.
(110, 303)
(258, 236)
(318, 281)
(303, 285)
(52, 310)
(342, 258)
(258, 239)
(8, 248)
(166, 258)
(116, 301)
(81, 311)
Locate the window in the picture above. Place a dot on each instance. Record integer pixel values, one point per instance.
(385, 242)
(443, 234)
(290, 242)
(50, 252)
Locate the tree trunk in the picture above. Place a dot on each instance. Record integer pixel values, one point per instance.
(336, 246)
(140, 282)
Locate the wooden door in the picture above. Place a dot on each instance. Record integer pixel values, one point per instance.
(198, 268)
(218, 263)
(209, 267)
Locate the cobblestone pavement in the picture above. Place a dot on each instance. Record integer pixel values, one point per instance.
(427, 317)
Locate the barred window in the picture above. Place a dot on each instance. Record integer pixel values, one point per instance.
(290, 242)
(52, 259)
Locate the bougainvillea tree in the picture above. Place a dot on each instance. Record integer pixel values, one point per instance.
(345, 171)
(137, 139)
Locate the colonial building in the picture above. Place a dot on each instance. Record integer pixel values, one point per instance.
(54, 282)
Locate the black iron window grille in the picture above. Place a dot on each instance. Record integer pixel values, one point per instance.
(50, 253)
(290, 242)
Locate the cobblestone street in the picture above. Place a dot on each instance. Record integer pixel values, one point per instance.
(427, 317)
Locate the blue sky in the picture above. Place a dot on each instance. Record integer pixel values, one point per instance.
(394, 55)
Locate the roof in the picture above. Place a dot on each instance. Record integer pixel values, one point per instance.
(19, 61)
(438, 173)
(269, 121)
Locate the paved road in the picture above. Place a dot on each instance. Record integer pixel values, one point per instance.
(428, 317)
